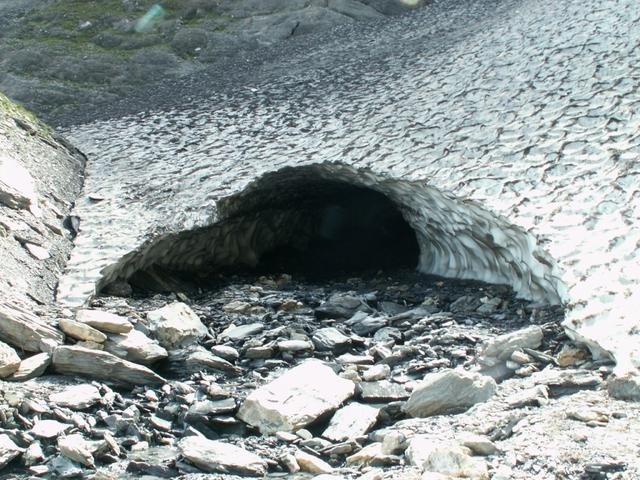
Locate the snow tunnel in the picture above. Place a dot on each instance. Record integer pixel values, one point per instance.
(325, 219)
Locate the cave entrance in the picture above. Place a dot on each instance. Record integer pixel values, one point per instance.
(342, 229)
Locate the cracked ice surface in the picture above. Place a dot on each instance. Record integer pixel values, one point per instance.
(518, 119)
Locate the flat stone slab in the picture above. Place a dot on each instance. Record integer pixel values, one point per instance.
(81, 331)
(136, 347)
(103, 366)
(24, 330)
(449, 391)
(31, 367)
(351, 421)
(8, 450)
(76, 397)
(296, 399)
(104, 321)
(219, 457)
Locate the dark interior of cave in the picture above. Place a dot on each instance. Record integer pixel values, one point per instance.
(308, 226)
(352, 230)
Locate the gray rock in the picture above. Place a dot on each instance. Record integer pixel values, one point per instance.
(449, 391)
(136, 347)
(211, 407)
(242, 332)
(31, 367)
(188, 41)
(103, 366)
(625, 386)
(351, 421)
(382, 391)
(213, 456)
(8, 450)
(224, 351)
(311, 463)
(330, 339)
(500, 348)
(339, 306)
(9, 360)
(24, 330)
(364, 324)
(104, 321)
(76, 397)
(195, 359)
(295, 346)
(296, 399)
(176, 325)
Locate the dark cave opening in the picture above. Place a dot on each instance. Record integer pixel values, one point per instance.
(312, 227)
(351, 230)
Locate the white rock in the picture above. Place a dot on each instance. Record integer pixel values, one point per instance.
(214, 456)
(376, 372)
(368, 454)
(479, 444)
(296, 399)
(500, 348)
(9, 360)
(81, 331)
(26, 331)
(76, 397)
(33, 454)
(176, 325)
(351, 421)
(8, 450)
(449, 391)
(104, 321)
(49, 428)
(36, 251)
(455, 461)
(136, 347)
(17, 189)
(31, 367)
(312, 464)
(76, 448)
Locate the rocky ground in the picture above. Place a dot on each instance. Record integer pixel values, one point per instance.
(387, 375)
(61, 57)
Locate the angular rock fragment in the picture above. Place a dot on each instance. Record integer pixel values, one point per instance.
(214, 456)
(8, 450)
(31, 367)
(76, 448)
(311, 464)
(76, 397)
(500, 348)
(195, 359)
(104, 321)
(625, 386)
(81, 331)
(447, 459)
(17, 188)
(49, 428)
(351, 421)
(330, 339)
(449, 391)
(176, 325)
(136, 347)
(296, 399)
(25, 330)
(9, 360)
(103, 366)
(241, 332)
(382, 391)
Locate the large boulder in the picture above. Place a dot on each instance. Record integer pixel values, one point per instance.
(175, 326)
(296, 399)
(449, 391)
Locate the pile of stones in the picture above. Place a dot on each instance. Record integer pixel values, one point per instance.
(275, 376)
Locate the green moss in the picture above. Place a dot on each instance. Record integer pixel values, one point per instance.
(17, 111)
